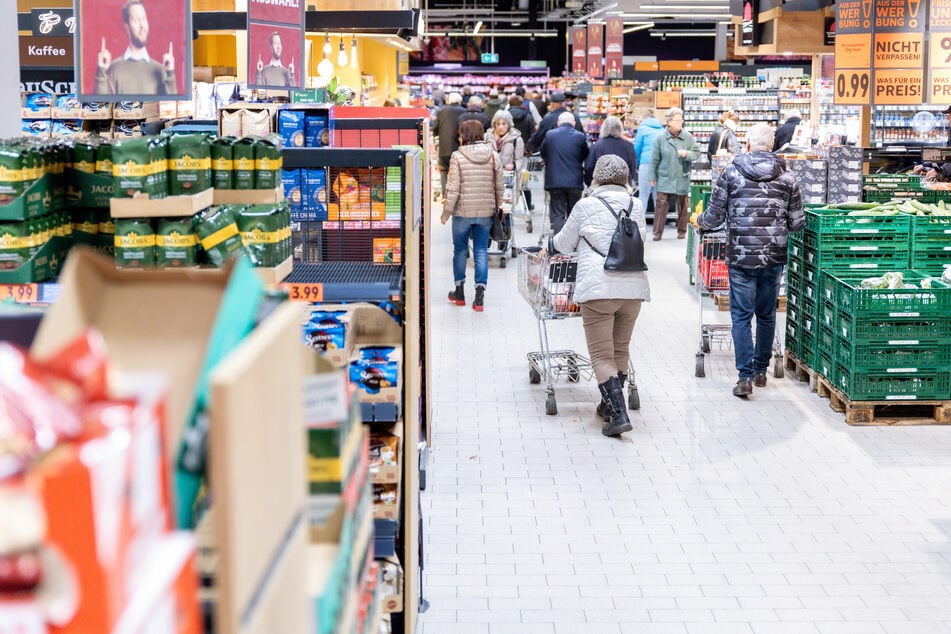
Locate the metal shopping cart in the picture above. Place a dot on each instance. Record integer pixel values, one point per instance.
(548, 284)
(520, 208)
(510, 201)
(712, 280)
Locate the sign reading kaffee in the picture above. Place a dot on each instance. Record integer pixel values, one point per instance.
(46, 52)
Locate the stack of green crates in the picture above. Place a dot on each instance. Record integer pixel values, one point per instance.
(887, 344)
(931, 243)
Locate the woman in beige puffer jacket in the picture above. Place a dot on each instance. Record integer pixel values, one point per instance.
(473, 192)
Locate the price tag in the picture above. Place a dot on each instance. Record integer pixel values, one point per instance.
(852, 87)
(20, 293)
(304, 292)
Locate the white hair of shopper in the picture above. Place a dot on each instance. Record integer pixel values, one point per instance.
(760, 137)
(612, 127)
(453, 98)
(475, 102)
(566, 117)
(503, 115)
(793, 114)
(674, 112)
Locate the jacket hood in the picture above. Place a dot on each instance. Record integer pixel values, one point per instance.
(652, 123)
(494, 101)
(477, 152)
(760, 166)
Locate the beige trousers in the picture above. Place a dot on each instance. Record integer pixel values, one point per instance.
(608, 324)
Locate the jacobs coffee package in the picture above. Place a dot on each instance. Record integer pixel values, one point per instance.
(189, 159)
(135, 243)
(131, 168)
(218, 233)
(222, 162)
(268, 162)
(262, 233)
(244, 165)
(176, 244)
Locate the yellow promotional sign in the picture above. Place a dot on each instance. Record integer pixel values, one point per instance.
(853, 50)
(899, 87)
(853, 87)
(940, 86)
(899, 50)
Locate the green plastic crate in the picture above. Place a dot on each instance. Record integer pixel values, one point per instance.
(892, 303)
(883, 385)
(828, 316)
(886, 195)
(810, 317)
(931, 260)
(910, 329)
(931, 229)
(808, 348)
(832, 225)
(931, 355)
(870, 255)
(883, 181)
(827, 367)
(792, 339)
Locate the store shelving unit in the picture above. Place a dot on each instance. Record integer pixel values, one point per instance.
(895, 125)
(481, 80)
(702, 109)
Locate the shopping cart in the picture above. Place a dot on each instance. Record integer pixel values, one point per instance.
(712, 280)
(520, 208)
(547, 282)
(510, 201)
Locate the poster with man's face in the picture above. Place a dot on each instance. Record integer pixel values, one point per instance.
(133, 50)
(275, 57)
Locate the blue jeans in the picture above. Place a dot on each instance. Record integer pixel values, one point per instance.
(753, 292)
(645, 190)
(478, 230)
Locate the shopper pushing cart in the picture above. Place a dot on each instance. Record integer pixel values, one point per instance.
(758, 202)
(608, 301)
(510, 148)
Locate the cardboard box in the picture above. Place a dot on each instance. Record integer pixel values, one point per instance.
(272, 276)
(37, 128)
(135, 110)
(318, 337)
(389, 510)
(34, 202)
(36, 105)
(380, 379)
(387, 469)
(171, 206)
(168, 109)
(67, 106)
(392, 585)
(167, 602)
(96, 110)
(186, 108)
(44, 264)
(248, 196)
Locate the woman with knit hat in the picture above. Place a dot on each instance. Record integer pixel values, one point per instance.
(610, 300)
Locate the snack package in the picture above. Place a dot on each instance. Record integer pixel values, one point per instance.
(291, 181)
(268, 162)
(290, 123)
(383, 450)
(135, 243)
(218, 233)
(189, 158)
(326, 330)
(176, 244)
(374, 370)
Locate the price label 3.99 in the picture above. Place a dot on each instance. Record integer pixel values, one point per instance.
(853, 87)
(310, 293)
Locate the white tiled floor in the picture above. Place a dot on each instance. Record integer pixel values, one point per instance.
(713, 515)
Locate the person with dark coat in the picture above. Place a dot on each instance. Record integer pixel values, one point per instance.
(610, 142)
(550, 121)
(446, 129)
(492, 105)
(759, 201)
(723, 139)
(474, 113)
(564, 151)
(785, 132)
(540, 104)
(522, 121)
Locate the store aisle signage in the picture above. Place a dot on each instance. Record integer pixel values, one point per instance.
(579, 50)
(614, 47)
(133, 50)
(490, 58)
(46, 52)
(883, 47)
(595, 50)
(52, 22)
(276, 44)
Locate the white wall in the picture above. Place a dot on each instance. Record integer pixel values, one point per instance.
(9, 71)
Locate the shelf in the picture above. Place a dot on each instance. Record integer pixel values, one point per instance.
(351, 281)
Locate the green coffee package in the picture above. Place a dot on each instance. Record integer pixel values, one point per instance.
(189, 159)
(104, 158)
(84, 156)
(158, 167)
(135, 243)
(261, 234)
(222, 162)
(16, 242)
(107, 226)
(176, 244)
(244, 163)
(268, 162)
(85, 221)
(218, 233)
(13, 174)
(131, 168)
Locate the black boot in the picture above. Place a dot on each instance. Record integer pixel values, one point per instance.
(458, 296)
(479, 299)
(611, 392)
(604, 408)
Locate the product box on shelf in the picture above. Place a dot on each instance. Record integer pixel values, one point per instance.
(135, 110)
(812, 175)
(314, 183)
(248, 196)
(844, 182)
(87, 190)
(386, 501)
(376, 370)
(334, 452)
(65, 129)
(385, 448)
(392, 584)
(93, 110)
(142, 206)
(38, 128)
(67, 106)
(36, 105)
(384, 537)
(35, 201)
(290, 124)
(42, 265)
(327, 329)
(241, 119)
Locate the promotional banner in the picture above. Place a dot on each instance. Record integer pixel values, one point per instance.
(276, 11)
(614, 46)
(596, 50)
(939, 53)
(276, 44)
(133, 50)
(275, 56)
(579, 50)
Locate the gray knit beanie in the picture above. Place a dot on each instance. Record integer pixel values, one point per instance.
(610, 170)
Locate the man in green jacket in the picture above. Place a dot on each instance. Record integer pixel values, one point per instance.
(135, 73)
(674, 150)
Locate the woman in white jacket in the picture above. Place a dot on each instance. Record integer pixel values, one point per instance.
(610, 300)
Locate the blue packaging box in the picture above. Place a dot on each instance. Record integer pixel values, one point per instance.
(317, 130)
(293, 191)
(290, 124)
(315, 188)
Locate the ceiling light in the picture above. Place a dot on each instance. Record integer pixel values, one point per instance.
(342, 55)
(478, 27)
(638, 27)
(682, 7)
(353, 53)
(505, 34)
(328, 49)
(516, 24)
(325, 69)
(663, 34)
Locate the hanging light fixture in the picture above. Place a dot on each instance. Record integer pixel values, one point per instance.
(353, 53)
(325, 69)
(342, 55)
(328, 49)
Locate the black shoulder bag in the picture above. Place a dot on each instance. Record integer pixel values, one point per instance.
(626, 253)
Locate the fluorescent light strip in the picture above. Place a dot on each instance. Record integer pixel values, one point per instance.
(639, 27)
(500, 34)
(685, 7)
(683, 34)
(478, 27)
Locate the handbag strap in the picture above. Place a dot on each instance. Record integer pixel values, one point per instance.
(617, 216)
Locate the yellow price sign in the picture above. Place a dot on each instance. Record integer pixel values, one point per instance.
(20, 293)
(311, 293)
(852, 87)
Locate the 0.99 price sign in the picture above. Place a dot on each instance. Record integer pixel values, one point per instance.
(852, 87)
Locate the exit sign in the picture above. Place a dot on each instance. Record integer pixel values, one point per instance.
(490, 58)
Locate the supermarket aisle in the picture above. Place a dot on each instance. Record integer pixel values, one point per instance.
(714, 515)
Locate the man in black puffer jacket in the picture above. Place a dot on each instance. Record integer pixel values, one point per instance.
(760, 203)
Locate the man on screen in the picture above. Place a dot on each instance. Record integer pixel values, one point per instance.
(274, 74)
(135, 73)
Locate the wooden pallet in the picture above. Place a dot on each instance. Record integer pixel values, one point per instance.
(884, 412)
(799, 369)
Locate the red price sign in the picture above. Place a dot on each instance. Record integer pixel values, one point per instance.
(310, 293)
(21, 293)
